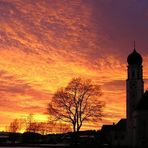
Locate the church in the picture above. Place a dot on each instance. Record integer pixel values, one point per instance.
(132, 131)
(137, 102)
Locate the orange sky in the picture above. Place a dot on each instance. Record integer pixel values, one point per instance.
(45, 43)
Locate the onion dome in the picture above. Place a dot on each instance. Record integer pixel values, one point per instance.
(134, 58)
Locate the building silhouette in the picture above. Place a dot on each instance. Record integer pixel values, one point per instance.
(136, 105)
(135, 127)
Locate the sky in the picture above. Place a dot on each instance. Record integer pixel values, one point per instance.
(46, 43)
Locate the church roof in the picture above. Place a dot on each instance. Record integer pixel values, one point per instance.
(121, 125)
(107, 128)
(134, 58)
(143, 104)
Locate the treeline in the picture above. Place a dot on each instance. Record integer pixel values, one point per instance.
(70, 138)
(31, 138)
(30, 125)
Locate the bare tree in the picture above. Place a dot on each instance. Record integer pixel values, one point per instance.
(63, 127)
(31, 126)
(35, 127)
(15, 126)
(76, 103)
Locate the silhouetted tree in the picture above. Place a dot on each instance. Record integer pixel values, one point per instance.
(34, 127)
(63, 127)
(30, 125)
(15, 126)
(76, 103)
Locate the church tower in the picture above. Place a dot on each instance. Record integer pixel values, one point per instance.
(134, 91)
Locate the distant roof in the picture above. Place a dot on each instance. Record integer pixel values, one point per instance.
(143, 104)
(106, 128)
(121, 125)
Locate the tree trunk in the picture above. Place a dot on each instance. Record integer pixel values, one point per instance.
(74, 127)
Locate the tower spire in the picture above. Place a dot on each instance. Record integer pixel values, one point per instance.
(134, 45)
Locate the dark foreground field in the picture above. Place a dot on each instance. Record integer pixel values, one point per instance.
(58, 146)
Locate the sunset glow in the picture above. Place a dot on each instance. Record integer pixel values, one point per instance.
(45, 43)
